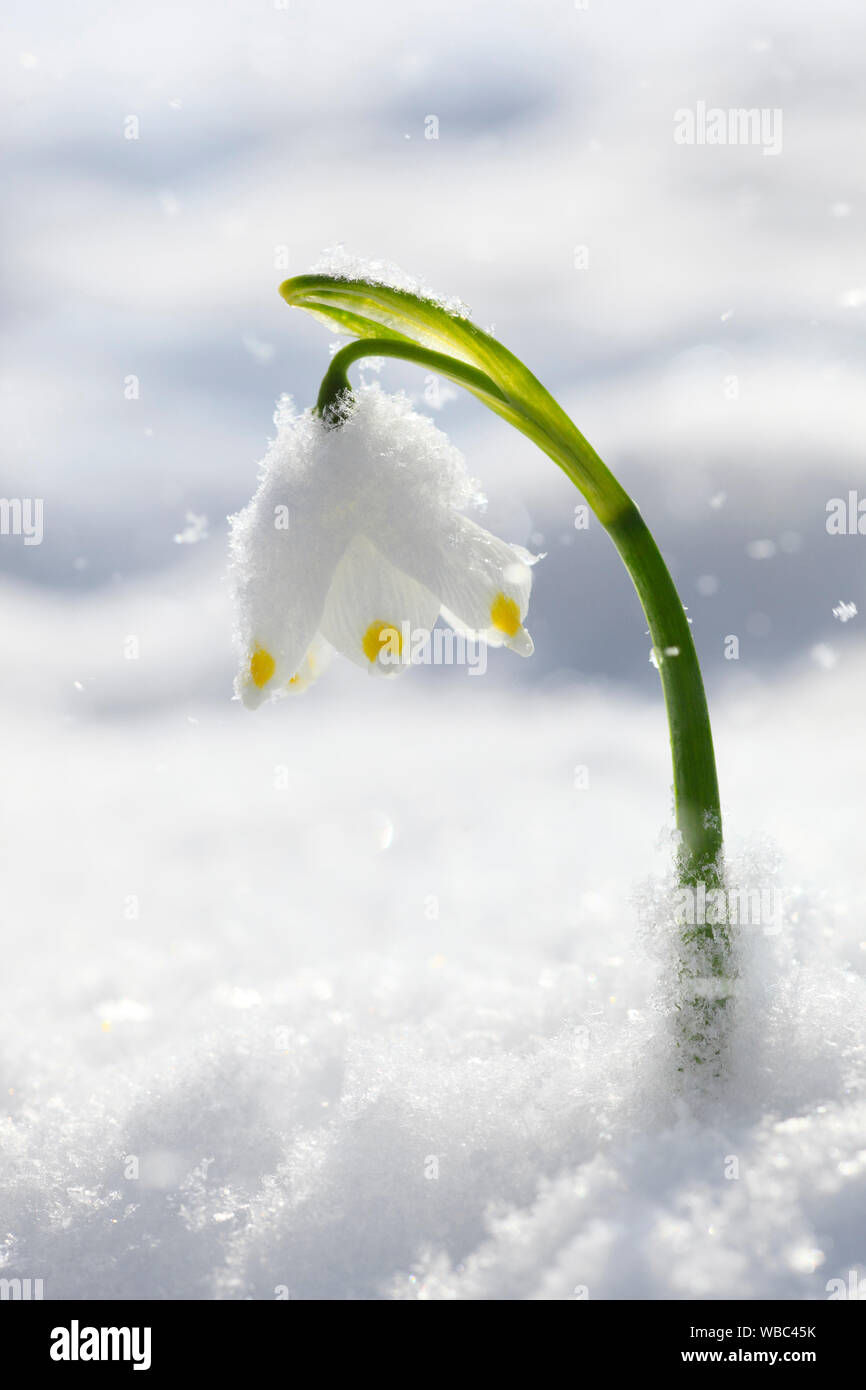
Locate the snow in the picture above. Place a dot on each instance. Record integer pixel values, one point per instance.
(196, 529)
(845, 611)
(366, 995)
(347, 265)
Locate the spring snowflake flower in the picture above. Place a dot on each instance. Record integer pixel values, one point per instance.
(355, 540)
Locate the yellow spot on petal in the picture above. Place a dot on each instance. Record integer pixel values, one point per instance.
(505, 615)
(380, 638)
(305, 674)
(262, 667)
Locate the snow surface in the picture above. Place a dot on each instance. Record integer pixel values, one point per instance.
(295, 963)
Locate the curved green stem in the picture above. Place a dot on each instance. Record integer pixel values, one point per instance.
(696, 787)
(336, 381)
(696, 790)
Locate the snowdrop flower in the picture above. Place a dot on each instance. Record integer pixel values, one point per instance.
(355, 540)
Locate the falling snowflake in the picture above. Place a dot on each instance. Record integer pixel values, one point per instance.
(194, 531)
(845, 611)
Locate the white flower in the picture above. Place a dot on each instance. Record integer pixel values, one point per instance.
(355, 539)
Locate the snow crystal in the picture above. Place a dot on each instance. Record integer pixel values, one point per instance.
(196, 529)
(336, 260)
(845, 611)
(123, 1011)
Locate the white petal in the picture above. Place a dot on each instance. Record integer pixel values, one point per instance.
(483, 583)
(285, 546)
(318, 658)
(386, 474)
(374, 613)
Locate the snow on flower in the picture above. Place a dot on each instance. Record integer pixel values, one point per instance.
(355, 539)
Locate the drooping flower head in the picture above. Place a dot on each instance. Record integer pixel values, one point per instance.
(380, 533)
(355, 537)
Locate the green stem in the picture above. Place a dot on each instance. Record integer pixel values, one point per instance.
(696, 790)
(336, 381)
(696, 787)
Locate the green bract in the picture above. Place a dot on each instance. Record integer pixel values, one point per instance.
(420, 330)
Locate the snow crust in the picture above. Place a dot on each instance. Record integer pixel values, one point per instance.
(371, 1003)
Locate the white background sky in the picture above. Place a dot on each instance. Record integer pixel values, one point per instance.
(304, 127)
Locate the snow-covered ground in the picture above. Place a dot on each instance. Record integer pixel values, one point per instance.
(352, 998)
(366, 995)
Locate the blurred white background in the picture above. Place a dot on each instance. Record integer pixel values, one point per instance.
(712, 344)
